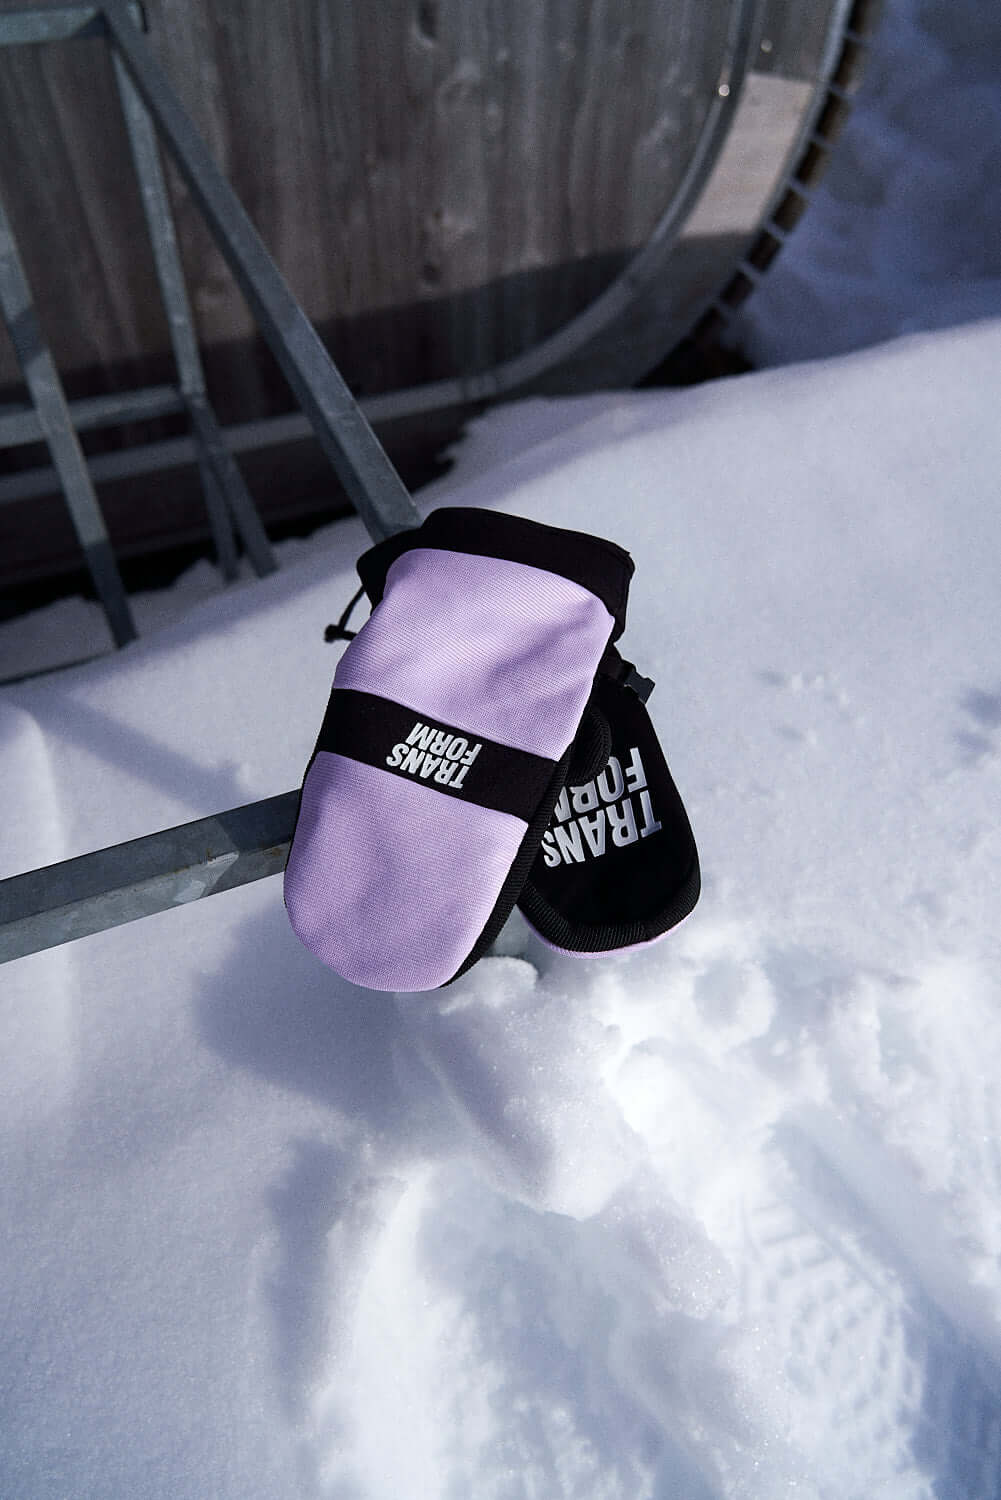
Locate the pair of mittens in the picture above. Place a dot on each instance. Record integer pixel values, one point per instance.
(434, 790)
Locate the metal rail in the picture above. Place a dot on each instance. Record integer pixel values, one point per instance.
(59, 903)
(372, 484)
(57, 421)
(52, 414)
(149, 106)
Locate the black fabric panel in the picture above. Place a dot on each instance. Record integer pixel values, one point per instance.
(596, 564)
(376, 731)
(562, 932)
(632, 872)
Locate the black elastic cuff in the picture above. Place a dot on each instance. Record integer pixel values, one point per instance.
(596, 564)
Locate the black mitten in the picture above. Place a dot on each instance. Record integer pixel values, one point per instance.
(618, 865)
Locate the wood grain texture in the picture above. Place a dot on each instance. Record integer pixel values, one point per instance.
(418, 154)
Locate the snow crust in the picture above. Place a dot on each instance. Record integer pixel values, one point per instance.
(721, 1217)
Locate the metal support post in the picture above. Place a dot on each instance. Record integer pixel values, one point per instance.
(361, 464)
(221, 467)
(222, 481)
(220, 519)
(56, 425)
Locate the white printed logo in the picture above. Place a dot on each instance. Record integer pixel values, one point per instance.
(605, 808)
(434, 754)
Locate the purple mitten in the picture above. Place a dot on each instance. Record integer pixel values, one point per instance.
(446, 741)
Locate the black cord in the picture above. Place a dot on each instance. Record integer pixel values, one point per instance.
(340, 632)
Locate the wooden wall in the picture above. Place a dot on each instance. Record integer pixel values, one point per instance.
(442, 182)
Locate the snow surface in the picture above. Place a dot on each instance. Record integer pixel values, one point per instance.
(721, 1218)
(717, 1218)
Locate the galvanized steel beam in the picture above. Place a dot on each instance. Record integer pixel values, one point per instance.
(52, 411)
(20, 424)
(62, 902)
(226, 496)
(361, 464)
(223, 481)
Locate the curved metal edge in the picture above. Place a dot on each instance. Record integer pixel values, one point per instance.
(676, 351)
(850, 34)
(611, 342)
(599, 320)
(517, 376)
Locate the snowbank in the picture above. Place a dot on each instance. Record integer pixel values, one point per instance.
(902, 233)
(718, 1218)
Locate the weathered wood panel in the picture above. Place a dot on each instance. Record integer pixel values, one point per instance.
(412, 167)
(445, 186)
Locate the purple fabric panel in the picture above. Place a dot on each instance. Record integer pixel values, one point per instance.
(388, 882)
(492, 646)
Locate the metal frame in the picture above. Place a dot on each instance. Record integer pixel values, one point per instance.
(649, 310)
(50, 906)
(149, 105)
(58, 422)
(62, 902)
(50, 414)
(372, 484)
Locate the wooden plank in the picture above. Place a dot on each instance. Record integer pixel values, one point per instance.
(792, 38)
(438, 154)
(67, 179)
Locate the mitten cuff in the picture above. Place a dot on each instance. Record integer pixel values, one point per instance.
(600, 566)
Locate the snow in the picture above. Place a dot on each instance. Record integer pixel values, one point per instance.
(902, 233)
(718, 1218)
